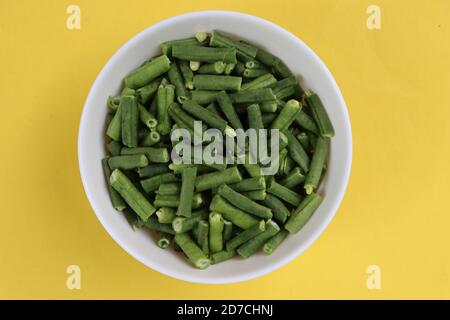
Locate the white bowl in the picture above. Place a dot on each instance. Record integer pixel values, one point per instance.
(300, 59)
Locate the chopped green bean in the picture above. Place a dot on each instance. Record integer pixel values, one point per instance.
(252, 96)
(297, 152)
(169, 189)
(152, 170)
(153, 224)
(166, 47)
(164, 240)
(283, 193)
(215, 179)
(255, 73)
(128, 162)
(250, 184)
(130, 119)
(117, 201)
(203, 96)
(203, 236)
(148, 72)
(228, 110)
(293, 178)
(273, 243)
(287, 115)
(227, 230)
(303, 213)
(222, 256)
(257, 195)
(217, 67)
(246, 235)
(219, 40)
(176, 79)
(215, 232)
(165, 215)
(147, 92)
(217, 82)
(204, 54)
(317, 164)
(188, 75)
(244, 203)
(114, 147)
(131, 195)
(153, 183)
(151, 139)
(252, 245)
(154, 154)
(147, 118)
(279, 210)
(192, 251)
(173, 201)
(165, 97)
(188, 177)
(306, 122)
(319, 113)
(184, 224)
(235, 215)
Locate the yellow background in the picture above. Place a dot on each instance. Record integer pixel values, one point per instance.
(395, 214)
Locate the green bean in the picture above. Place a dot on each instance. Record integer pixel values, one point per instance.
(153, 224)
(260, 82)
(246, 235)
(319, 114)
(154, 154)
(165, 97)
(222, 256)
(176, 79)
(283, 141)
(152, 170)
(256, 195)
(303, 213)
(284, 83)
(173, 201)
(146, 117)
(239, 69)
(217, 67)
(178, 168)
(169, 189)
(113, 102)
(254, 170)
(192, 251)
(148, 72)
(286, 93)
(287, 115)
(151, 139)
(188, 177)
(128, 92)
(129, 119)
(203, 96)
(147, 92)
(215, 179)
(227, 230)
(228, 110)
(204, 54)
(268, 119)
(304, 140)
(201, 36)
(165, 215)
(252, 96)
(184, 120)
(153, 108)
(255, 73)
(128, 162)
(164, 240)
(250, 184)
(252, 245)
(268, 106)
(117, 201)
(208, 117)
(215, 232)
(266, 58)
(114, 147)
(255, 117)
(244, 203)
(203, 236)
(282, 192)
(254, 64)
(194, 65)
(317, 164)
(131, 195)
(279, 210)
(306, 122)
(219, 40)
(289, 165)
(185, 224)
(217, 82)
(188, 75)
(166, 47)
(229, 68)
(281, 69)
(153, 183)
(235, 215)
(293, 179)
(273, 243)
(297, 152)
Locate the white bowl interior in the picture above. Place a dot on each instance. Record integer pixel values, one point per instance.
(301, 60)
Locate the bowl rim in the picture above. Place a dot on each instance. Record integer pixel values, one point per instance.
(308, 241)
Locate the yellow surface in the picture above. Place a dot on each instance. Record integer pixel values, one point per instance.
(395, 214)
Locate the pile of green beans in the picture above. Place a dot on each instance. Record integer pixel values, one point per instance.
(213, 212)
